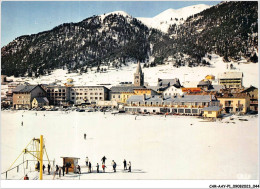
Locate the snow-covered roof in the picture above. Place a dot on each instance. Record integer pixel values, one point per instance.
(194, 98)
(41, 99)
(24, 88)
(190, 84)
(230, 75)
(118, 89)
(211, 108)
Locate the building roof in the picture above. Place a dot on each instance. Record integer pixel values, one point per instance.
(216, 88)
(233, 95)
(168, 82)
(24, 88)
(41, 99)
(251, 88)
(211, 108)
(194, 98)
(204, 83)
(138, 69)
(230, 75)
(118, 89)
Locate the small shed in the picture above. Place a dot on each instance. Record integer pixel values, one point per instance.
(73, 163)
(211, 111)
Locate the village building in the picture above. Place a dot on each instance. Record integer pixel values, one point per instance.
(252, 92)
(186, 104)
(24, 94)
(231, 79)
(204, 85)
(58, 95)
(172, 91)
(88, 94)
(121, 93)
(211, 112)
(40, 102)
(234, 102)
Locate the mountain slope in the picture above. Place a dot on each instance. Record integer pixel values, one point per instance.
(229, 29)
(108, 39)
(172, 16)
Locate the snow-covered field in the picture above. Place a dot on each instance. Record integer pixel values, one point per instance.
(151, 75)
(174, 147)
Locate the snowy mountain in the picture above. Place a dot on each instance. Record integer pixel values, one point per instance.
(172, 16)
(114, 39)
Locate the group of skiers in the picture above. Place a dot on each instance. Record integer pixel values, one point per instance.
(103, 160)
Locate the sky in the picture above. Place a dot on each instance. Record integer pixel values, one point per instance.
(29, 17)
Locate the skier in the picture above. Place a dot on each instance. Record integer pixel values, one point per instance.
(85, 136)
(43, 167)
(135, 117)
(97, 168)
(103, 167)
(89, 167)
(59, 171)
(22, 123)
(49, 167)
(38, 166)
(63, 169)
(86, 161)
(114, 166)
(103, 159)
(124, 162)
(129, 166)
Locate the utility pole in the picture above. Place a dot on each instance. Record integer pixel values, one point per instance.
(41, 156)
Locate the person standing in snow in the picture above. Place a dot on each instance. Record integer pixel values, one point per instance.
(129, 166)
(49, 167)
(59, 171)
(78, 167)
(43, 167)
(103, 159)
(103, 167)
(86, 161)
(89, 167)
(124, 162)
(97, 168)
(22, 123)
(63, 169)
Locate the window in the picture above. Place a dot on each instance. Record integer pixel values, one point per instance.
(210, 112)
(100, 93)
(80, 93)
(63, 90)
(72, 93)
(96, 93)
(118, 96)
(96, 98)
(91, 98)
(113, 96)
(100, 98)
(72, 98)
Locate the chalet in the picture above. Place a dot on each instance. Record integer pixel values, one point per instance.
(252, 92)
(24, 94)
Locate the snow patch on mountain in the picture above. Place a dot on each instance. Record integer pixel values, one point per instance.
(172, 16)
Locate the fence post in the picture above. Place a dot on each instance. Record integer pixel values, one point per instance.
(27, 164)
(17, 168)
(6, 175)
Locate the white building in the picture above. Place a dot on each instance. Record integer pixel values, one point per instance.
(88, 94)
(231, 79)
(172, 91)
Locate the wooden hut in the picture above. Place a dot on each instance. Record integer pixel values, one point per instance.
(73, 161)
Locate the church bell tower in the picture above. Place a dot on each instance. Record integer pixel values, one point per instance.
(138, 76)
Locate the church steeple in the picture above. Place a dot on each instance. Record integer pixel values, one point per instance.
(138, 76)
